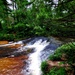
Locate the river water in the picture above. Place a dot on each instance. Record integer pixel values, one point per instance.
(40, 49)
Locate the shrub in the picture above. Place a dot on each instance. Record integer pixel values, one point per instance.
(57, 71)
(44, 67)
(68, 50)
(6, 36)
(54, 57)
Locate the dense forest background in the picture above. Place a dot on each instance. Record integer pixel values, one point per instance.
(27, 18)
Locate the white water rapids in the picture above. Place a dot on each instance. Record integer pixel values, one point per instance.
(41, 49)
(34, 58)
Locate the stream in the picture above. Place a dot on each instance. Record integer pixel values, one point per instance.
(38, 48)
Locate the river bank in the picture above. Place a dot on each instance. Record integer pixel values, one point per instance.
(13, 54)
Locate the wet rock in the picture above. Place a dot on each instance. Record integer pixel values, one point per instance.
(15, 46)
(57, 64)
(5, 51)
(12, 66)
(3, 42)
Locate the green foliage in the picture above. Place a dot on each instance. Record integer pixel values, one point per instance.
(38, 18)
(68, 50)
(55, 57)
(8, 37)
(44, 67)
(66, 54)
(57, 71)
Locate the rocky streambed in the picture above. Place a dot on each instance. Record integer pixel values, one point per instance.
(24, 57)
(11, 61)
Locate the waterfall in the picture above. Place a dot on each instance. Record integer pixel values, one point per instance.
(34, 58)
(42, 49)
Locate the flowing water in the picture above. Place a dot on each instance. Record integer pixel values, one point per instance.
(41, 48)
(34, 58)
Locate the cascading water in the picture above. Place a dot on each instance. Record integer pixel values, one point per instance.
(42, 50)
(34, 58)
